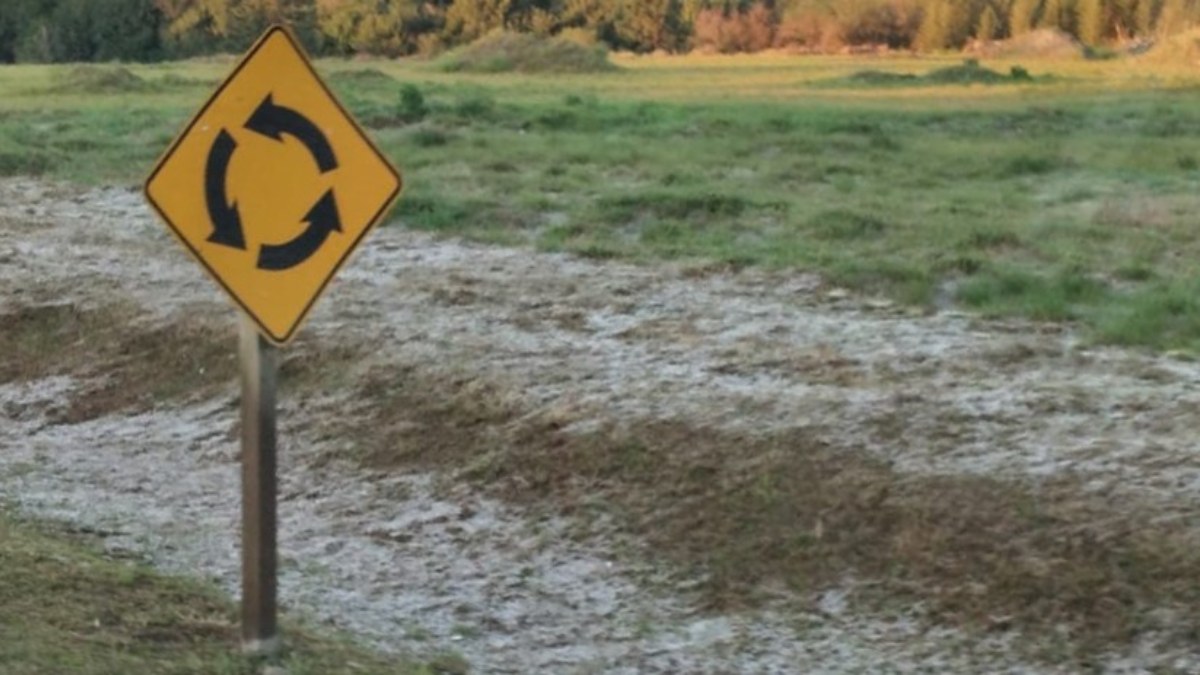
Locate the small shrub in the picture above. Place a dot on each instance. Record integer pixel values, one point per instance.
(412, 104)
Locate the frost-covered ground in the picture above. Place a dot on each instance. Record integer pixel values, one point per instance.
(413, 566)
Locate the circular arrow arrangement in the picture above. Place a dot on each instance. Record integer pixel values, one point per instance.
(273, 121)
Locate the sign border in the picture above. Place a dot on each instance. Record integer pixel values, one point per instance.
(170, 152)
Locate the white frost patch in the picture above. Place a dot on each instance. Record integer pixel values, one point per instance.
(412, 569)
(408, 571)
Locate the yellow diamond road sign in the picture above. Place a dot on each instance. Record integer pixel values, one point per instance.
(272, 185)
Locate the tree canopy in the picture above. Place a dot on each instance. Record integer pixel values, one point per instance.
(143, 30)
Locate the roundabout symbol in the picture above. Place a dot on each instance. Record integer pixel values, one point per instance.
(273, 121)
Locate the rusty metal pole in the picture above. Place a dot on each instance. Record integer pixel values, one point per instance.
(260, 630)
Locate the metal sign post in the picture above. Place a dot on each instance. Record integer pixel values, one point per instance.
(260, 631)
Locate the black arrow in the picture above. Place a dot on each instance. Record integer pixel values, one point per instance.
(274, 121)
(322, 220)
(227, 222)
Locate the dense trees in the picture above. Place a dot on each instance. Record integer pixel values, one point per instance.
(80, 30)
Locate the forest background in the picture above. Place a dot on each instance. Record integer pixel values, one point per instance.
(41, 31)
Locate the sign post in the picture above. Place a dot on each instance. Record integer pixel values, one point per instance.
(270, 187)
(259, 370)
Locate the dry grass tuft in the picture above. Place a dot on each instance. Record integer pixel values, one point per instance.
(745, 512)
(127, 366)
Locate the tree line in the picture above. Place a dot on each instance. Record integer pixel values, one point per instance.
(147, 30)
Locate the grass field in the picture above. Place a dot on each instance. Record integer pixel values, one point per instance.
(70, 608)
(1066, 197)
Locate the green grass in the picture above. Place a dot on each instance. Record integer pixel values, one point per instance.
(1085, 173)
(67, 608)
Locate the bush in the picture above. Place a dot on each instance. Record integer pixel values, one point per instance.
(502, 51)
(412, 104)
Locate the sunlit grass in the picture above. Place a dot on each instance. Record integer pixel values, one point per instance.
(68, 608)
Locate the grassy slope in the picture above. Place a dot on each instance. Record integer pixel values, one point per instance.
(66, 608)
(1063, 200)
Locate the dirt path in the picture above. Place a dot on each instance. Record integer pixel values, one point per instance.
(413, 565)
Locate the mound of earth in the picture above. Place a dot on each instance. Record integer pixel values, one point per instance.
(502, 52)
(969, 72)
(1045, 43)
(363, 76)
(91, 79)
